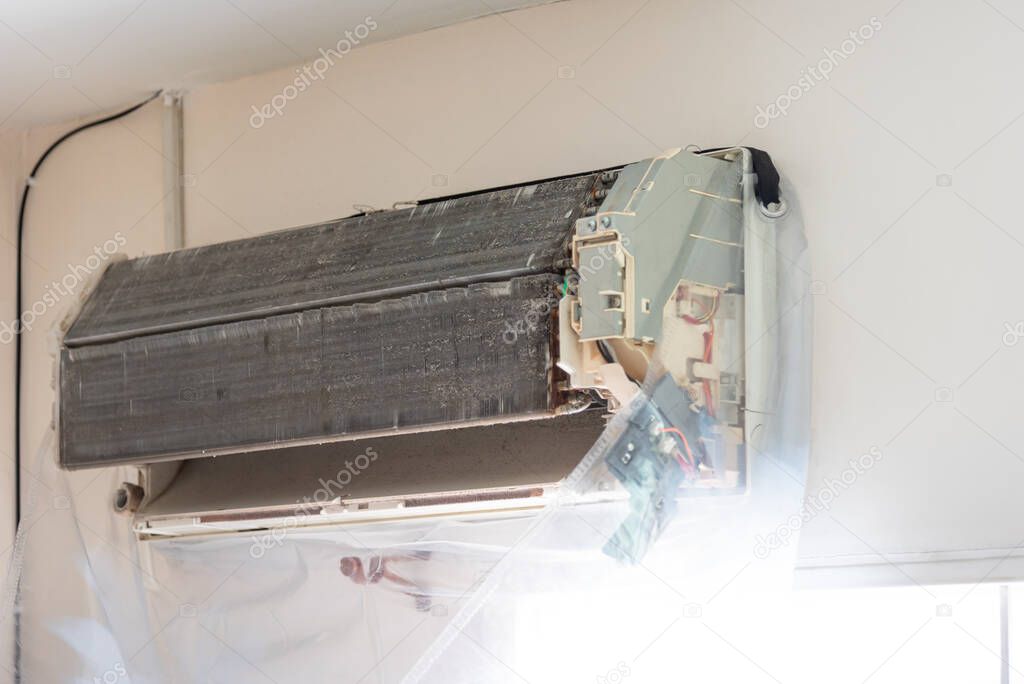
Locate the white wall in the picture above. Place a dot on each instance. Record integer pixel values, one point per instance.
(916, 279)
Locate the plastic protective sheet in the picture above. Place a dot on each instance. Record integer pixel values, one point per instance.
(566, 594)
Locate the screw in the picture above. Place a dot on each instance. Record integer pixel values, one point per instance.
(606, 221)
(128, 498)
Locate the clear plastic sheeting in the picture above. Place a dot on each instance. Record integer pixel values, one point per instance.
(627, 575)
(655, 560)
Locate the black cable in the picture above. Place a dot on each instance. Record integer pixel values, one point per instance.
(18, 290)
(768, 179)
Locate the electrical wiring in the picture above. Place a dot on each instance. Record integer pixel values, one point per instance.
(19, 250)
(709, 345)
(714, 307)
(707, 316)
(683, 463)
(707, 398)
(686, 444)
(708, 319)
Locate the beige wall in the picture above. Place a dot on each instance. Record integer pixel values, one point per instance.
(917, 278)
(9, 187)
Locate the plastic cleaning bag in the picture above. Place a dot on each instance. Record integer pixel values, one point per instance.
(682, 546)
(577, 592)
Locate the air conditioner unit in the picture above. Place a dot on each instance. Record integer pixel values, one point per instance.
(457, 356)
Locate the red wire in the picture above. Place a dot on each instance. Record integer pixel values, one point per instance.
(709, 338)
(686, 444)
(683, 463)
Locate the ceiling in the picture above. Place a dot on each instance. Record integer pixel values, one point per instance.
(65, 59)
